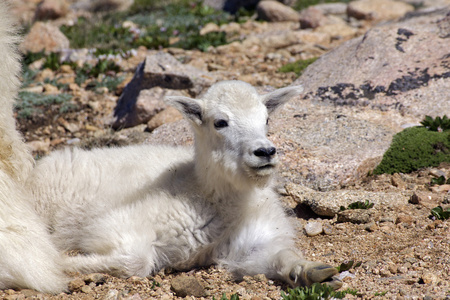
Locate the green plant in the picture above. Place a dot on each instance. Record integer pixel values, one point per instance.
(297, 67)
(316, 291)
(439, 181)
(439, 213)
(437, 124)
(358, 205)
(224, 297)
(380, 294)
(29, 104)
(345, 266)
(299, 5)
(415, 148)
(159, 24)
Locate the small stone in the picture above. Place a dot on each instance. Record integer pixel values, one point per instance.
(437, 173)
(187, 286)
(274, 11)
(393, 269)
(385, 272)
(313, 228)
(356, 216)
(429, 278)
(86, 289)
(50, 89)
(111, 295)
(260, 278)
(371, 226)
(328, 229)
(76, 285)
(398, 182)
(402, 218)
(96, 278)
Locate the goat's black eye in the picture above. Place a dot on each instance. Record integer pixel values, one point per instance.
(267, 121)
(220, 124)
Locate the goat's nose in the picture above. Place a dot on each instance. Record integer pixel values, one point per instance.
(265, 152)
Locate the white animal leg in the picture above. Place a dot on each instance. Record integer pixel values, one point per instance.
(119, 265)
(300, 272)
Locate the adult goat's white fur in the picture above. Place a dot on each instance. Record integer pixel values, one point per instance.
(28, 259)
(138, 209)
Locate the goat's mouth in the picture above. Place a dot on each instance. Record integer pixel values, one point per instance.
(263, 170)
(264, 167)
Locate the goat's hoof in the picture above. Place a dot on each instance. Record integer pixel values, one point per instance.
(312, 272)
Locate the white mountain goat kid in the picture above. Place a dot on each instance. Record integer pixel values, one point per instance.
(138, 209)
(27, 257)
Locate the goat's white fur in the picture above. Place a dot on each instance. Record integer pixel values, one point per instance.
(28, 259)
(138, 209)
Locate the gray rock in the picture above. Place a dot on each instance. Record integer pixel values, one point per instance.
(328, 203)
(187, 286)
(154, 79)
(401, 65)
(356, 216)
(274, 11)
(332, 8)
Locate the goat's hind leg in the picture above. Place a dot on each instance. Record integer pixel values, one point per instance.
(300, 272)
(96, 263)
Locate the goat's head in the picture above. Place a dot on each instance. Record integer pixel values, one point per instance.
(230, 124)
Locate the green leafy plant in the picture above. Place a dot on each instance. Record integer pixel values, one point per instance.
(439, 181)
(439, 213)
(415, 148)
(345, 266)
(297, 67)
(358, 205)
(380, 294)
(299, 5)
(159, 24)
(437, 124)
(316, 291)
(224, 297)
(30, 104)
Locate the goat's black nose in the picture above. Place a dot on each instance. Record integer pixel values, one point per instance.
(265, 152)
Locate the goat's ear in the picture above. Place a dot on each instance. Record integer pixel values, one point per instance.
(277, 98)
(190, 108)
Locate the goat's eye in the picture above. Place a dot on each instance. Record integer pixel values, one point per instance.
(267, 121)
(220, 124)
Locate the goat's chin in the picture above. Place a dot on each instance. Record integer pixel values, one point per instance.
(261, 174)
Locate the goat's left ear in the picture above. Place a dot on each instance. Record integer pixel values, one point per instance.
(189, 107)
(277, 98)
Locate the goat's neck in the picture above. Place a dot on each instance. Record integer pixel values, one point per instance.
(218, 188)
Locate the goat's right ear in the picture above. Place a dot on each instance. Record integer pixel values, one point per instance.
(190, 108)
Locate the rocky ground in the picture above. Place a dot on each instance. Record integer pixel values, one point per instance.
(328, 143)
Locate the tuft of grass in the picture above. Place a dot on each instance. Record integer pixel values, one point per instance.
(316, 291)
(439, 213)
(345, 266)
(224, 297)
(159, 25)
(297, 67)
(358, 205)
(299, 5)
(29, 104)
(415, 148)
(437, 124)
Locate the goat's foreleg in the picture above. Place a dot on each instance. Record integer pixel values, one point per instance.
(297, 271)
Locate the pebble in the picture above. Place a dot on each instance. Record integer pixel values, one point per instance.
(313, 228)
